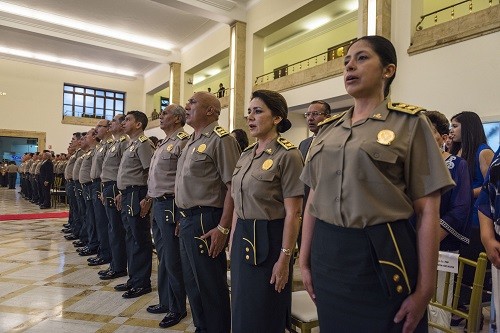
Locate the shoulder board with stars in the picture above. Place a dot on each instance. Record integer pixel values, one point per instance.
(405, 108)
(250, 146)
(285, 143)
(143, 138)
(331, 118)
(123, 138)
(220, 131)
(182, 135)
(110, 140)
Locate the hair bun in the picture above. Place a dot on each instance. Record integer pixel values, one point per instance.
(284, 125)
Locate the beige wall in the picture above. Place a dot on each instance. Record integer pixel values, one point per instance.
(34, 98)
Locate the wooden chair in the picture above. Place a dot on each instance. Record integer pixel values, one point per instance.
(474, 310)
(57, 192)
(304, 313)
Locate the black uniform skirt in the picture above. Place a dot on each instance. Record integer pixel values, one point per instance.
(256, 305)
(359, 285)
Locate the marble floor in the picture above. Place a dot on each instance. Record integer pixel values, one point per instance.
(46, 287)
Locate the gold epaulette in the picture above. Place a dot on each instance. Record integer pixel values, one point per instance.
(406, 108)
(143, 138)
(182, 135)
(220, 131)
(123, 138)
(331, 118)
(250, 147)
(110, 140)
(286, 144)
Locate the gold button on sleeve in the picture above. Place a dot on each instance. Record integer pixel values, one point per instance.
(395, 277)
(399, 289)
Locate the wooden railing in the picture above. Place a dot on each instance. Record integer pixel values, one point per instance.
(334, 52)
(455, 10)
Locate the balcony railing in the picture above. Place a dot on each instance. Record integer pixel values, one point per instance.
(451, 12)
(334, 52)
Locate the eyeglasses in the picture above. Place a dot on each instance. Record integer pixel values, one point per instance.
(313, 114)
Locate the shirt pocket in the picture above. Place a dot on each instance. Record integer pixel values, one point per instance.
(378, 163)
(199, 164)
(265, 176)
(169, 160)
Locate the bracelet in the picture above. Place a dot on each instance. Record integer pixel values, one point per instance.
(225, 231)
(287, 252)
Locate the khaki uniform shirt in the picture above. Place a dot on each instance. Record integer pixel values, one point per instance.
(62, 166)
(113, 158)
(163, 166)
(38, 166)
(135, 161)
(68, 171)
(28, 166)
(84, 173)
(100, 153)
(77, 166)
(262, 182)
(12, 168)
(205, 167)
(371, 172)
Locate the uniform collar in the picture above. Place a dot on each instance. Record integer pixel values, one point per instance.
(271, 148)
(207, 131)
(380, 113)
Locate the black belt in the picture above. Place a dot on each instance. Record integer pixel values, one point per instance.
(86, 184)
(96, 180)
(133, 188)
(164, 197)
(197, 210)
(111, 182)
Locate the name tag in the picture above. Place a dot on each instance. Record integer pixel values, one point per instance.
(448, 262)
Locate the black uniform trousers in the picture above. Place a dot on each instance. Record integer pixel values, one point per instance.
(12, 180)
(137, 237)
(35, 197)
(205, 277)
(81, 231)
(101, 221)
(93, 241)
(171, 289)
(45, 194)
(116, 231)
(70, 194)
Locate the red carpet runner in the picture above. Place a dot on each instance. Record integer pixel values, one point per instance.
(55, 215)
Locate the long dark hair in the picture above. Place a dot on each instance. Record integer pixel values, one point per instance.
(472, 134)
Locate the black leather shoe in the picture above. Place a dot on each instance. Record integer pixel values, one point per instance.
(67, 230)
(66, 225)
(122, 287)
(70, 237)
(136, 292)
(157, 308)
(87, 252)
(172, 319)
(104, 271)
(92, 259)
(82, 249)
(98, 262)
(78, 243)
(110, 275)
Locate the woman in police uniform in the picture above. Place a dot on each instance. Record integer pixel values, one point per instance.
(267, 196)
(370, 169)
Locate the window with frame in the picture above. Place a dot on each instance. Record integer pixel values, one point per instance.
(88, 102)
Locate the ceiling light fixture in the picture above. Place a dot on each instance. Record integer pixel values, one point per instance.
(65, 61)
(83, 26)
(316, 23)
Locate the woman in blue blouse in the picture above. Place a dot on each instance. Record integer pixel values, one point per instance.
(454, 209)
(488, 205)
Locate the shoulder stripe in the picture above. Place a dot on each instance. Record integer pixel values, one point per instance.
(405, 108)
(332, 118)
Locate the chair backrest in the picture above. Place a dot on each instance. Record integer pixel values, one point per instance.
(474, 308)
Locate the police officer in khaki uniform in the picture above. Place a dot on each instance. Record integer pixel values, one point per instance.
(132, 182)
(86, 182)
(116, 231)
(161, 180)
(101, 220)
(267, 196)
(74, 221)
(370, 169)
(82, 209)
(203, 195)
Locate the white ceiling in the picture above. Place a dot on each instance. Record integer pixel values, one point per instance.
(176, 23)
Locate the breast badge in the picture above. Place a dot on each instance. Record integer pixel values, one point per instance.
(267, 164)
(385, 137)
(113, 149)
(170, 147)
(201, 148)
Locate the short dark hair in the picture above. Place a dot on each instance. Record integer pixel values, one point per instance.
(278, 106)
(77, 135)
(325, 105)
(386, 52)
(439, 121)
(139, 117)
(242, 138)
